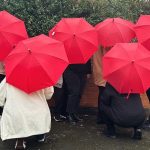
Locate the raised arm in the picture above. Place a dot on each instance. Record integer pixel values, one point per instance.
(49, 92)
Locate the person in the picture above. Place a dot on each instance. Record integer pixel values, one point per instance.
(60, 98)
(24, 114)
(68, 97)
(2, 76)
(98, 78)
(124, 110)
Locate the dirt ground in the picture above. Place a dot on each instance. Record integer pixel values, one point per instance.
(84, 136)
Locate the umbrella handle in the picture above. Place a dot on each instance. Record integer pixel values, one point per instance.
(129, 94)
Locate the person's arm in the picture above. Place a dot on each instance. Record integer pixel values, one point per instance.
(49, 92)
(3, 92)
(59, 83)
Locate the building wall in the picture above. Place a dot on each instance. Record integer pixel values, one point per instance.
(89, 98)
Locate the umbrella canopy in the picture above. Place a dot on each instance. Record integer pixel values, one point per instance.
(142, 30)
(12, 30)
(79, 38)
(36, 63)
(127, 67)
(114, 30)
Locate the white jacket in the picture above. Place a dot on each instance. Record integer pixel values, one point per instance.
(24, 114)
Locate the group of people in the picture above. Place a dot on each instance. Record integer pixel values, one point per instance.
(26, 115)
(124, 110)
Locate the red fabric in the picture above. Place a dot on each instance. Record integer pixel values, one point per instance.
(36, 63)
(114, 30)
(127, 67)
(12, 30)
(79, 38)
(142, 30)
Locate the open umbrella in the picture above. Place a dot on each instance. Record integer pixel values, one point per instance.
(79, 38)
(114, 30)
(127, 67)
(12, 30)
(36, 63)
(142, 30)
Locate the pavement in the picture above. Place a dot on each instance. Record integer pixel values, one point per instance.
(84, 136)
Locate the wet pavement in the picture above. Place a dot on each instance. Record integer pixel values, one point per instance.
(84, 136)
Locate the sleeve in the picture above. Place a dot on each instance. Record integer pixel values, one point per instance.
(59, 83)
(49, 92)
(2, 92)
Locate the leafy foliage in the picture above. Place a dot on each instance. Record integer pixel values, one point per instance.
(41, 15)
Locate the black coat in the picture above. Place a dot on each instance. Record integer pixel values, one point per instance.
(127, 112)
(80, 68)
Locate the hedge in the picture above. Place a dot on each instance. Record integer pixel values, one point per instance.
(41, 15)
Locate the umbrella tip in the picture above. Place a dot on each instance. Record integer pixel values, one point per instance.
(53, 33)
(13, 46)
(133, 61)
(29, 50)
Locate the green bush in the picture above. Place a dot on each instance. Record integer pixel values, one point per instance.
(41, 15)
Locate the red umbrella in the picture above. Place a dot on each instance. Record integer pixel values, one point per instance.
(79, 38)
(12, 30)
(36, 63)
(127, 67)
(114, 30)
(142, 30)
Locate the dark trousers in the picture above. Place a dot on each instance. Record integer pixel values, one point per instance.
(60, 97)
(99, 114)
(107, 118)
(1, 78)
(74, 84)
(148, 95)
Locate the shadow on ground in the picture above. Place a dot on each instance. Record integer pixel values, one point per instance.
(84, 136)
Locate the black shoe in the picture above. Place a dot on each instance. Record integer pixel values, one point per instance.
(137, 135)
(77, 118)
(146, 124)
(109, 134)
(59, 118)
(40, 138)
(72, 119)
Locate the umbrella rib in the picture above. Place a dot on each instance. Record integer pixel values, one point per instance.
(138, 26)
(5, 37)
(66, 25)
(43, 69)
(79, 48)
(41, 52)
(119, 31)
(11, 24)
(87, 42)
(12, 33)
(139, 74)
(84, 39)
(118, 68)
(52, 56)
(103, 25)
(125, 25)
